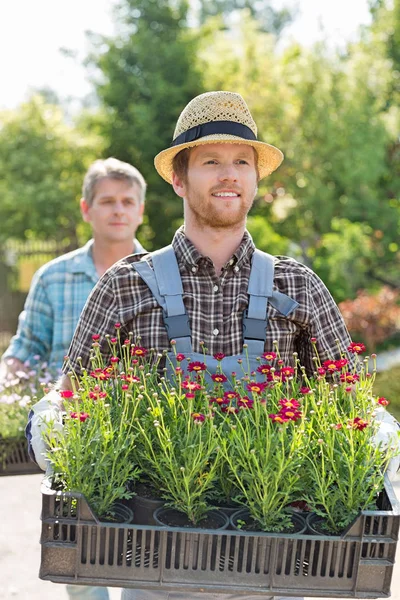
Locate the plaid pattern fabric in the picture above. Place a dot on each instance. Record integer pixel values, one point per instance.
(56, 297)
(215, 308)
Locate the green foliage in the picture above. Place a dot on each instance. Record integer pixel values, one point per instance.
(268, 18)
(42, 162)
(267, 239)
(387, 384)
(148, 75)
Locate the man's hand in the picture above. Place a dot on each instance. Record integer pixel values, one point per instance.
(388, 436)
(47, 410)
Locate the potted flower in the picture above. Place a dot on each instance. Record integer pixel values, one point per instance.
(344, 469)
(95, 453)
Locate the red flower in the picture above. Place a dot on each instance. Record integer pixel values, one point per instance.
(100, 374)
(66, 394)
(219, 378)
(290, 414)
(269, 356)
(383, 401)
(113, 340)
(219, 355)
(264, 369)
(220, 401)
(117, 325)
(321, 371)
(356, 348)
(138, 351)
(278, 418)
(287, 371)
(330, 366)
(197, 367)
(342, 362)
(245, 402)
(95, 337)
(231, 395)
(313, 340)
(81, 416)
(338, 426)
(114, 359)
(229, 409)
(191, 386)
(198, 417)
(180, 357)
(256, 388)
(349, 377)
(305, 390)
(286, 403)
(358, 423)
(125, 387)
(190, 396)
(96, 394)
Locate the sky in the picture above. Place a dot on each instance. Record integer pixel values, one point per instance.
(32, 32)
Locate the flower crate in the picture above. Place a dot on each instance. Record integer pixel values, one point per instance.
(77, 548)
(14, 458)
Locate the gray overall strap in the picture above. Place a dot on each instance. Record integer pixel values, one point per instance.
(260, 290)
(169, 282)
(147, 274)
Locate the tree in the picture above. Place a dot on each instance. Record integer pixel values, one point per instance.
(147, 75)
(42, 163)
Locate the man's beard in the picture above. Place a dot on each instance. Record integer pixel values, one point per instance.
(207, 214)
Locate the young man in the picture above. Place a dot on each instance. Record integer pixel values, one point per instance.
(113, 204)
(212, 286)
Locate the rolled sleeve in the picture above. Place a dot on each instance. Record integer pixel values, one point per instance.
(35, 325)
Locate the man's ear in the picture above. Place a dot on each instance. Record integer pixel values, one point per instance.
(179, 185)
(85, 210)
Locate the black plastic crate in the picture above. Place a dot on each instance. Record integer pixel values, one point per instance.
(77, 548)
(14, 458)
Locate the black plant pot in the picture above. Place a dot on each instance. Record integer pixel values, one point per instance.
(120, 514)
(189, 550)
(144, 509)
(315, 525)
(299, 522)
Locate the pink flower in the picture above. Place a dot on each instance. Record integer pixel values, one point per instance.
(287, 371)
(81, 416)
(356, 348)
(219, 355)
(286, 403)
(278, 418)
(231, 395)
(256, 388)
(197, 367)
(114, 359)
(358, 423)
(220, 401)
(117, 325)
(383, 401)
(342, 362)
(349, 377)
(219, 378)
(66, 394)
(198, 417)
(330, 366)
(245, 402)
(180, 357)
(264, 369)
(138, 351)
(269, 356)
(305, 390)
(95, 337)
(191, 386)
(113, 340)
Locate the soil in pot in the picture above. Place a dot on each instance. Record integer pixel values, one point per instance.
(242, 521)
(174, 518)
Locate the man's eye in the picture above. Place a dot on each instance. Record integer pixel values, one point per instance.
(242, 161)
(211, 162)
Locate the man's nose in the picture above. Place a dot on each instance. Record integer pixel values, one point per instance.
(228, 173)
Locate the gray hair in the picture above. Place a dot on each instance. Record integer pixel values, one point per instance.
(111, 168)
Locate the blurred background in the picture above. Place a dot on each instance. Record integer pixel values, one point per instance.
(83, 80)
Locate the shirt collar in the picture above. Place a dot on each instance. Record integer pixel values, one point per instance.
(187, 254)
(82, 262)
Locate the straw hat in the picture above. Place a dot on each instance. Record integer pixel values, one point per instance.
(217, 117)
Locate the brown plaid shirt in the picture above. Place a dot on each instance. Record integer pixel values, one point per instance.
(215, 308)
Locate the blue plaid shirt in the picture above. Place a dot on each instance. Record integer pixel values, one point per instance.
(58, 293)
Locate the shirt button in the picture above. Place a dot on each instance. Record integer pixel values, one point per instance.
(231, 261)
(236, 269)
(194, 269)
(215, 288)
(216, 332)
